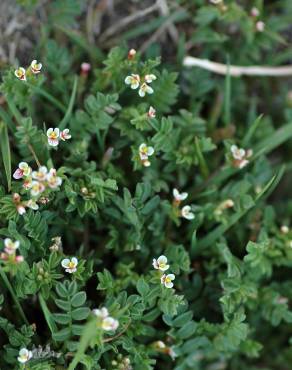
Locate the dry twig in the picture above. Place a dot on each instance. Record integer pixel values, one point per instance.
(237, 71)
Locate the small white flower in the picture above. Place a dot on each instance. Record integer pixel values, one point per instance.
(133, 81)
(179, 196)
(32, 204)
(167, 280)
(53, 136)
(20, 209)
(20, 74)
(101, 313)
(53, 180)
(35, 67)
(145, 151)
(150, 78)
(186, 213)
(24, 355)
(70, 265)
(151, 113)
(85, 67)
(131, 54)
(109, 323)
(36, 188)
(22, 170)
(40, 174)
(285, 229)
(145, 89)
(216, 1)
(260, 26)
(64, 135)
(237, 153)
(254, 12)
(10, 246)
(160, 263)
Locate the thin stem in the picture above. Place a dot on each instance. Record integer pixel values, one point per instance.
(15, 299)
(34, 154)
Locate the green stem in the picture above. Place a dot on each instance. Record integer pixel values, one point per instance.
(15, 299)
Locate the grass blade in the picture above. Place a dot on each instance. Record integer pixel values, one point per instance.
(68, 113)
(5, 150)
(48, 316)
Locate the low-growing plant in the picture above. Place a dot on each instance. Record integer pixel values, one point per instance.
(139, 230)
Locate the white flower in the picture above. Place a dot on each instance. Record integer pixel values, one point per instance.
(284, 229)
(10, 246)
(216, 1)
(186, 213)
(131, 54)
(101, 313)
(53, 180)
(145, 151)
(109, 323)
(133, 80)
(254, 12)
(36, 188)
(260, 26)
(24, 355)
(64, 135)
(35, 67)
(22, 170)
(151, 113)
(20, 74)
(20, 209)
(150, 78)
(145, 89)
(179, 196)
(237, 153)
(160, 263)
(70, 265)
(40, 174)
(53, 136)
(32, 204)
(85, 67)
(167, 280)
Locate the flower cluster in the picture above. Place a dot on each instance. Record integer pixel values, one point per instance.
(240, 156)
(54, 135)
(186, 210)
(144, 153)
(106, 322)
(24, 355)
(37, 183)
(70, 265)
(161, 264)
(135, 81)
(34, 68)
(9, 254)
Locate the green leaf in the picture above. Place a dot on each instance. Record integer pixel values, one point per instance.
(80, 313)
(62, 335)
(78, 299)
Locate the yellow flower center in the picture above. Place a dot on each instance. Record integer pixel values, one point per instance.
(167, 279)
(71, 265)
(53, 135)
